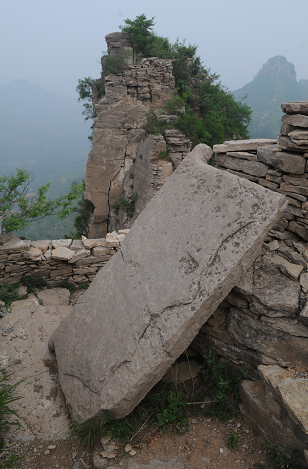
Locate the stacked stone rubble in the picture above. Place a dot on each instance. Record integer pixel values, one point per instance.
(264, 319)
(63, 259)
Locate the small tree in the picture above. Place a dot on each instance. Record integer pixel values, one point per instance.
(17, 209)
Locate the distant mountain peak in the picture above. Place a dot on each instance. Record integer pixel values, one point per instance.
(278, 68)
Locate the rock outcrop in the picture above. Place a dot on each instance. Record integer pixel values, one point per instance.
(131, 97)
(188, 248)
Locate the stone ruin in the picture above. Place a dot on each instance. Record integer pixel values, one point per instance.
(123, 155)
(248, 287)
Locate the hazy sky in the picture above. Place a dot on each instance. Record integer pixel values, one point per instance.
(55, 42)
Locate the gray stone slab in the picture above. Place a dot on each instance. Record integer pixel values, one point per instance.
(295, 107)
(243, 145)
(185, 252)
(296, 120)
(285, 161)
(15, 245)
(255, 168)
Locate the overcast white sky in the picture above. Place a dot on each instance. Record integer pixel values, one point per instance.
(55, 42)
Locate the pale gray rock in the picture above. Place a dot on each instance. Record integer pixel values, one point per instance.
(4, 238)
(295, 120)
(79, 255)
(188, 248)
(243, 145)
(182, 372)
(62, 253)
(43, 245)
(271, 342)
(54, 297)
(295, 107)
(287, 162)
(286, 143)
(63, 243)
(15, 245)
(255, 168)
(274, 294)
(25, 353)
(77, 245)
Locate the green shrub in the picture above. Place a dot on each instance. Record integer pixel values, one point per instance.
(278, 459)
(222, 380)
(33, 282)
(233, 441)
(9, 293)
(116, 65)
(174, 413)
(173, 105)
(6, 398)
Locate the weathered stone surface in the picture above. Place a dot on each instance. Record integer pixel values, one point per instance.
(256, 409)
(33, 253)
(287, 162)
(88, 243)
(291, 270)
(79, 255)
(295, 107)
(77, 245)
(301, 230)
(298, 135)
(296, 120)
(63, 243)
(15, 245)
(255, 168)
(24, 352)
(62, 253)
(274, 294)
(182, 372)
(243, 145)
(54, 297)
(242, 154)
(294, 394)
(43, 244)
(4, 238)
(287, 143)
(273, 343)
(148, 303)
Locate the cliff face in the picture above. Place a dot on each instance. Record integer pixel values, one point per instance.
(121, 143)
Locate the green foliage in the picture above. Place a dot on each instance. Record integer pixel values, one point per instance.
(6, 398)
(141, 31)
(173, 105)
(115, 65)
(233, 441)
(17, 209)
(155, 126)
(84, 89)
(84, 210)
(222, 379)
(212, 113)
(126, 205)
(279, 460)
(174, 413)
(164, 155)
(9, 293)
(32, 283)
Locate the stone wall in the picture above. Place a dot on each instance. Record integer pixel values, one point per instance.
(264, 320)
(77, 261)
(119, 137)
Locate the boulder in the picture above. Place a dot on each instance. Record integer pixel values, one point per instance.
(185, 252)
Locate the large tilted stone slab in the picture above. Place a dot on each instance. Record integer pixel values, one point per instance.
(188, 248)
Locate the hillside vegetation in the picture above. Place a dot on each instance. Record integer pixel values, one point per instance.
(212, 114)
(274, 84)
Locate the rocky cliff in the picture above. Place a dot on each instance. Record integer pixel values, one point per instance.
(127, 165)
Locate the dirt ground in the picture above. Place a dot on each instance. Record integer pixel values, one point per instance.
(203, 445)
